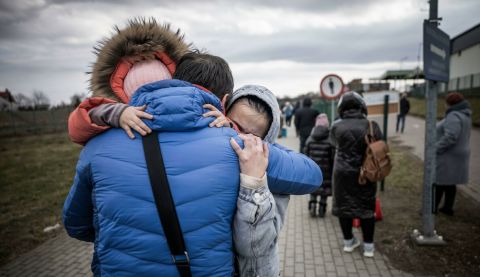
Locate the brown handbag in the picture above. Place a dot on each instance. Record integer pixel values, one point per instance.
(376, 164)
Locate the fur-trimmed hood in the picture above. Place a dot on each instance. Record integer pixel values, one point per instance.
(142, 39)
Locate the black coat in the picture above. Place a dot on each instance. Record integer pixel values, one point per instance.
(305, 120)
(350, 199)
(404, 106)
(319, 149)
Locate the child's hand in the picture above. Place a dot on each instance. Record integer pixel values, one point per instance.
(220, 121)
(131, 118)
(253, 157)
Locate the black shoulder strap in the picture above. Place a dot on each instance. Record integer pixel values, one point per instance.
(164, 202)
(369, 136)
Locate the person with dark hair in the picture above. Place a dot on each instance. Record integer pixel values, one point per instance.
(305, 121)
(350, 199)
(201, 166)
(453, 151)
(210, 72)
(255, 116)
(404, 109)
(257, 223)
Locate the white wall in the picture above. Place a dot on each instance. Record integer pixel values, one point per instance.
(468, 62)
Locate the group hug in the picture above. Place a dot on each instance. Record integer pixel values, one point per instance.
(181, 175)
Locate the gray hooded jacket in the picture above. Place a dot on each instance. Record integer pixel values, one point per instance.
(258, 210)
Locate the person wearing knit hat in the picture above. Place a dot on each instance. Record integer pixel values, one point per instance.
(453, 151)
(322, 120)
(120, 115)
(454, 98)
(110, 202)
(144, 72)
(319, 149)
(120, 218)
(142, 52)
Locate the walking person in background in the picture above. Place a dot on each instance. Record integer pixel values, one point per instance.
(453, 150)
(288, 111)
(350, 199)
(319, 149)
(305, 121)
(404, 109)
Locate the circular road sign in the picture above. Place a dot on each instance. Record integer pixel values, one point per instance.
(331, 86)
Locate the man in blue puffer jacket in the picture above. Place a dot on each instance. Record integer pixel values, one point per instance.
(111, 203)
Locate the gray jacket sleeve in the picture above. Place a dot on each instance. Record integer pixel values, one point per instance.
(452, 126)
(257, 224)
(107, 114)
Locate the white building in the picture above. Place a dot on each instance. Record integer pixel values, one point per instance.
(7, 102)
(465, 62)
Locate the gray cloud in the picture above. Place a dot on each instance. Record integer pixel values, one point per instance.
(43, 41)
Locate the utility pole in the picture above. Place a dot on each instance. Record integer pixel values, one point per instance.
(434, 49)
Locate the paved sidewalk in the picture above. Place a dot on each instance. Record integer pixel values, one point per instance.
(308, 247)
(60, 256)
(313, 246)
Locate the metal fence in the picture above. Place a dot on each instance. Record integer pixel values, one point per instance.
(324, 106)
(13, 123)
(468, 85)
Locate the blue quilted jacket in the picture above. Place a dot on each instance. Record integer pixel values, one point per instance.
(111, 202)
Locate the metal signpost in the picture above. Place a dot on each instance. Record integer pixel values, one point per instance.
(436, 61)
(385, 129)
(331, 88)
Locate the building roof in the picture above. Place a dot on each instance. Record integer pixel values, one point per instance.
(7, 96)
(465, 40)
(402, 74)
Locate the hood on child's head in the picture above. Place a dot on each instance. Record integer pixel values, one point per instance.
(269, 98)
(133, 48)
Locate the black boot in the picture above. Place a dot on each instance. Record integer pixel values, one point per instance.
(321, 210)
(312, 206)
(450, 192)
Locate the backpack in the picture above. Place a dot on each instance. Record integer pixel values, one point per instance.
(376, 164)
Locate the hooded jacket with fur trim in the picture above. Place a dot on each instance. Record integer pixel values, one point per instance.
(142, 39)
(111, 202)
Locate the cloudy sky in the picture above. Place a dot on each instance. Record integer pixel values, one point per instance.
(285, 45)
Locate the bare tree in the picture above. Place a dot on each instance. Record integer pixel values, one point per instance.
(76, 99)
(40, 100)
(23, 101)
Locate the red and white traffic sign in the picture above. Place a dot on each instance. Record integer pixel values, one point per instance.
(331, 86)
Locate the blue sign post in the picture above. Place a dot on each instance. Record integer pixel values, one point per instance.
(436, 66)
(436, 53)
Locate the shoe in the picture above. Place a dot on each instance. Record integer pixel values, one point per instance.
(350, 245)
(368, 250)
(446, 211)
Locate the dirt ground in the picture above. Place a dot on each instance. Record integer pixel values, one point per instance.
(401, 207)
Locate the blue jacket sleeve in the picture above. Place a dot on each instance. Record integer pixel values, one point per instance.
(78, 207)
(290, 172)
